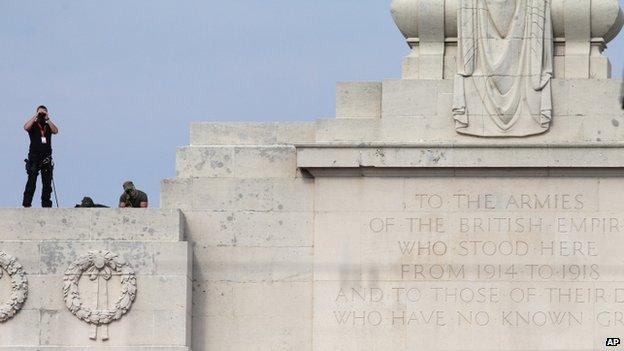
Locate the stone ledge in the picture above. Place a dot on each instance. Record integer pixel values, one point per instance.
(475, 143)
(265, 161)
(250, 133)
(455, 155)
(147, 258)
(95, 348)
(421, 110)
(234, 194)
(91, 224)
(358, 99)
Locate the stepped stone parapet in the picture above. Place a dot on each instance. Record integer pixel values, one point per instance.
(475, 203)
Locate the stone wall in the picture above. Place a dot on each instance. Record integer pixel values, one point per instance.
(249, 218)
(297, 234)
(433, 262)
(46, 242)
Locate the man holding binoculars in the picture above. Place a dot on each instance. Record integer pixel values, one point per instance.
(40, 130)
(132, 197)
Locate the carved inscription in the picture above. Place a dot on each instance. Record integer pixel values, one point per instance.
(482, 260)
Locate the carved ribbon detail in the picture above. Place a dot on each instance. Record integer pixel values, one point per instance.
(99, 266)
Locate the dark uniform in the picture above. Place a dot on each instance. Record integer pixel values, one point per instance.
(87, 202)
(133, 198)
(39, 160)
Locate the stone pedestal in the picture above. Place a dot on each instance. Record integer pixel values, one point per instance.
(581, 30)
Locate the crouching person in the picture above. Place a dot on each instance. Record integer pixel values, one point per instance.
(87, 202)
(132, 197)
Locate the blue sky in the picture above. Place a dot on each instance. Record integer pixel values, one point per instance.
(123, 79)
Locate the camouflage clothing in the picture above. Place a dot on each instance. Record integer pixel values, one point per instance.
(133, 198)
(87, 202)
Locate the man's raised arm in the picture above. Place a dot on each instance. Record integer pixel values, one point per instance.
(53, 128)
(30, 123)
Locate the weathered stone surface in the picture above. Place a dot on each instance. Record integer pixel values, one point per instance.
(413, 98)
(249, 218)
(90, 224)
(91, 348)
(253, 264)
(174, 193)
(459, 156)
(366, 266)
(211, 133)
(431, 28)
(347, 129)
(47, 241)
(358, 100)
(220, 307)
(251, 228)
(263, 194)
(421, 110)
(236, 162)
(264, 232)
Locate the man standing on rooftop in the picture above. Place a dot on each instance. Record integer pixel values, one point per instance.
(40, 130)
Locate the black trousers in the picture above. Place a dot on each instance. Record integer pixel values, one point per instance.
(34, 165)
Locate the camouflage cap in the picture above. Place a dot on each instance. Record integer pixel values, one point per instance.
(128, 185)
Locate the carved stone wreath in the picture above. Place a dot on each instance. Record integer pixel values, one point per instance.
(19, 286)
(99, 264)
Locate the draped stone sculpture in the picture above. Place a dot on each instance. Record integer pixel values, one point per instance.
(505, 53)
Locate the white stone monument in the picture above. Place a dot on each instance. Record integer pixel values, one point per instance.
(474, 204)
